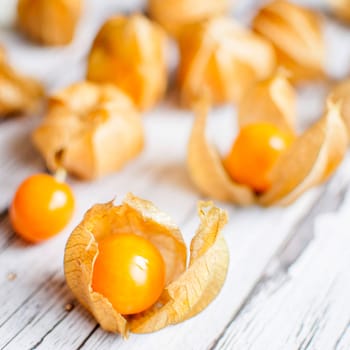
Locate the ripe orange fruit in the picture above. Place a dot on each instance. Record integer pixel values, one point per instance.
(129, 271)
(41, 207)
(254, 153)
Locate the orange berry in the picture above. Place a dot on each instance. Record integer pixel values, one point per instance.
(41, 208)
(254, 154)
(129, 271)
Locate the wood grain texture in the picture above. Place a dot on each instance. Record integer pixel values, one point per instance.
(305, 307)
(288, 280)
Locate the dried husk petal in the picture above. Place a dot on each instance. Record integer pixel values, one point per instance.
(206, 168)
(130, 53)
(341, 94)
(296, 34)
(218, 60)
(341, 9)
(273, 101)
(310, 160)
(19, 93)
(202, 280)
(90, 130)
(192, 292)
(174, 15)
(49, 22)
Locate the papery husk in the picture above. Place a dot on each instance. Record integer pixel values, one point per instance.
(272, 101)
(192, 292)
(18, 93)
(174, 15)
(310, 160)
(296, 34)
(341, 94)
(130, 53)
(219, 60)
(136, 216)
(341, 8)
(206, 168)
(202, 280)
(90, 130)
(49, 22)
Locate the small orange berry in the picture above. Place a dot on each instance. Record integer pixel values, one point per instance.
(41, 208)
(129, 271)
(254, 154)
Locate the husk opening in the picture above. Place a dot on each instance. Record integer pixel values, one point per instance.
(309, 161)
(208, 264)
(200, 283)
(274, 102)
(206, 168)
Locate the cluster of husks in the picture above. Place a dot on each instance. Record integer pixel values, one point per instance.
(219, 60)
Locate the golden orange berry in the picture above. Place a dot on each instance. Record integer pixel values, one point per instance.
(254, 153)
(129, 271)
(41, 208)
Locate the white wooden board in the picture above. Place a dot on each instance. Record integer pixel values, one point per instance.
(284, 289)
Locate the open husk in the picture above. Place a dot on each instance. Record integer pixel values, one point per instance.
(49, 22)
(18, 93)
(296, 34)
(341, 94)
(90, 130)
(311, 159)
(276, 98)
(219, 59)
(188, 290)
(130, 53)
(341, 9)
(174, 15)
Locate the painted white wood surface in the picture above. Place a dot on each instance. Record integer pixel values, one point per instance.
(32, 308)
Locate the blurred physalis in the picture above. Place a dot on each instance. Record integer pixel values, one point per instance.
(19, 94)
(49, 22)
(90, 130)
(296, 34)
(130, 53)
(219, 60)
(174, 15)
(127, 265)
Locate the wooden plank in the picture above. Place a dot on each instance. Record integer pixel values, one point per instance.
(173, 193)
(307, 305)
(33, 312)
